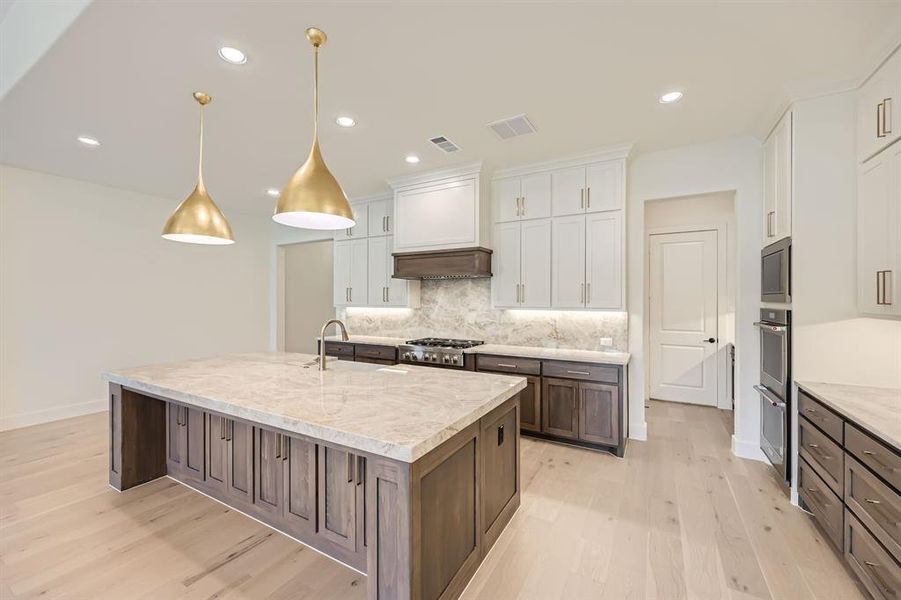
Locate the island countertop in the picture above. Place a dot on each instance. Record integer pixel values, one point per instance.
(401, 412)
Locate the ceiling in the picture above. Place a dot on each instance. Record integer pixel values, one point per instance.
(587, 74)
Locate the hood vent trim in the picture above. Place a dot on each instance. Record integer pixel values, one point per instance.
(461, 263)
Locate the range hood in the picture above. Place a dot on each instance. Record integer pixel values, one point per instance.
(457, 263)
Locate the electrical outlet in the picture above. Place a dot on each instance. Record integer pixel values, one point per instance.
(606, 342)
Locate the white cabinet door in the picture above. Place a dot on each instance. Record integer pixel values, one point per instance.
(604, 264)
(437, 216)
(568, 262)
(769, 190)
(359, 266)
(536, 196)
(568, 191)
(506, 266)
(506, 194)
(604, 186)
(380, 216)
(535, 281)
(878, 197)
(879, 109)
(361, 216)
(379, 254)
(342, 273)
(783, 139)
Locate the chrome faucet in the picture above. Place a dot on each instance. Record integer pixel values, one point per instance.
(322, 339)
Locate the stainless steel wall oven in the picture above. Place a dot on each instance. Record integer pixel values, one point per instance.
(775, 387)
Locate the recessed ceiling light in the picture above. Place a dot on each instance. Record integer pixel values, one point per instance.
(412, 159)
(345, 121)
(670, 97)
(232, 55)
(273, 192)
(88, 141)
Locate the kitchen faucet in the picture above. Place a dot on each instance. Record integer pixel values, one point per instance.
(322, 339)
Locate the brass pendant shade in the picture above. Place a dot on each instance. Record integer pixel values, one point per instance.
(198, 220)
(313, 198)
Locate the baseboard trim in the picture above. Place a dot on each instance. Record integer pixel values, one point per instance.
(52, 414)
(749, 450)
(638, 431)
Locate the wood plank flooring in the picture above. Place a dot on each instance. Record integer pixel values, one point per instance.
(679, 517)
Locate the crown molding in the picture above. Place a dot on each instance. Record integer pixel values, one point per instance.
(609, 153)
(463, 171)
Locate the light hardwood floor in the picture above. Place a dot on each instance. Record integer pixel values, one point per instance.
(679, 517)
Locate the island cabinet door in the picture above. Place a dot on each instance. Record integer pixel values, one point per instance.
(268, 472)
(194, 426)
(338, 496)
(174, 438)
(560, 407)
(300, 485)
(239, 452)
(530, 405)
(216, 453)
(599, 413)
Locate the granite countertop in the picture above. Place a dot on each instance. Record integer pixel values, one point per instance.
(374, 340)
(878, 410)
(589, 356)
(401, 412)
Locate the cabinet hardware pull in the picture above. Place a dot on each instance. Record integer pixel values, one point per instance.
(500, 435)
(887, 115)
(222, 428)
(286, 448)
(813, 490)
(871, 501)
(384, 223)
(522, 206)
(769, 223)
(388, 223)
(508, 366)
(820, 452)
(810, 410)
(578, 372)
(230, 430)
(588, 287)
(517, 206)
(361, 469)
(278, 445)
(588, 196)
(582, 198)
(873, 566)
(350, 467)
(522, 293)
(883, 287)
(880, 115)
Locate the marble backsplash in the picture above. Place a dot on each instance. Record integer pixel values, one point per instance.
(462, 309)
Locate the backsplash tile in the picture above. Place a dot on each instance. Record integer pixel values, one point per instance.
(462, 309)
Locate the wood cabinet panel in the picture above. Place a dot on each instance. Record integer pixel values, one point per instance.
(882, 460)
(343, 350)
(875, 504)
(530, 405)
(508, 364)
(826, 507)
(878, 571)
(337, 496)
(560, 407)
(239, 438)
(499, 461)
(824, 455)
(268, 472)
(174, 434)
(599, 413)
(194, 425)
(580, 370)
(216, 452)
(822, 417)
(300, 484)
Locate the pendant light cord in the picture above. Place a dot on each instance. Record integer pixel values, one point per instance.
(200, 158)
(316, 92)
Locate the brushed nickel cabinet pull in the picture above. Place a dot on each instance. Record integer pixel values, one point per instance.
(871, 501)
(820, 452)
(579, 373)
(588, 196)
(887, 115)
(522, 293)
(582, 299)
(582, 198)
(588, 287)
(388, 223)
(812, 490)
(522, 205)
(810, 410)
(880, 116)
(506, 365)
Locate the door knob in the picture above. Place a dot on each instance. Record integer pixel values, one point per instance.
(710, 340)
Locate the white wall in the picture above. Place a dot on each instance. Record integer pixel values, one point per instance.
(87, 284)
(733, 164)
(308, 293)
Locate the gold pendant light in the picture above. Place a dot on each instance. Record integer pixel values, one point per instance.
(313, 198)
(198, 220)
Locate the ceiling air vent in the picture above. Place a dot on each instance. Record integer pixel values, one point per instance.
(512, 127)
(445, 144)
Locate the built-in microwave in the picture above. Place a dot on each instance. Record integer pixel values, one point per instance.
(775, 272)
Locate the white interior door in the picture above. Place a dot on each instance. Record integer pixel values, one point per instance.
(683, 317)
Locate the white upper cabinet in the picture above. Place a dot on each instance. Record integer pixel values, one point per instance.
(384, 290)
(506, 195)
(778, 182)
(877, 100)
(506, 267)
(522, 264)
(879, 234)
(380, 216)
(604, 186)
(351, 266)
(516, 198)
(604, 261)
(440, 211)
(360, 229)
(568, 191)
(568, 262)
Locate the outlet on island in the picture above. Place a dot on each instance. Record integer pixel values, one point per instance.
(606, 342)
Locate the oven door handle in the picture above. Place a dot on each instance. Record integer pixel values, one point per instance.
(770, 327)
(770, 397)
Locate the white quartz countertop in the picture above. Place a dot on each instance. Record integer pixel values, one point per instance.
(401, 412)
(589, 356)
(878, 410)
(375, 340)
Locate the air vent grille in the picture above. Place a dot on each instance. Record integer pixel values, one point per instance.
(512, 127)
(444, 144)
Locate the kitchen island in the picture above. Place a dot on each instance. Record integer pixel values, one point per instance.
(406, 474)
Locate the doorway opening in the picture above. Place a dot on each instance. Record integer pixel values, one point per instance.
(305, 294)
(690, 281)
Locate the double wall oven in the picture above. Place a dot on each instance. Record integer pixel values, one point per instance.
(775, 387)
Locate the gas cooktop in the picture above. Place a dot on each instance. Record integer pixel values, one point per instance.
(444, 343)
(437, 351)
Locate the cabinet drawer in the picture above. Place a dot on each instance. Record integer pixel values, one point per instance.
(820, 416)
(883, 461)
(875, 504)
(822, 454)
(339, 349)
(878, 571)
(580, 370)
(823, 503)
(508, 364)
(373, 351)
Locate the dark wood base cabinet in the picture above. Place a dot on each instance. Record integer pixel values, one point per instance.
(577, 403)
(417, 530)
(848, 480)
